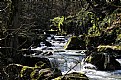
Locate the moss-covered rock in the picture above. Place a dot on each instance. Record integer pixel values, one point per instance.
(103, 61)
(20, 72)
(97, 60)
(108, 47)
(41, 65)
(42, 74)
(26, 71)
(74, 43)
(73, 76)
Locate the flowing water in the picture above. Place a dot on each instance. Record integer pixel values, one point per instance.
(72, 61)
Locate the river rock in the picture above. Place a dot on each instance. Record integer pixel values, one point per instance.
(20, 72)
(31, 61)
(74, 43)
(108, 47)
(103, 61)
(73, 76)
(113, 50)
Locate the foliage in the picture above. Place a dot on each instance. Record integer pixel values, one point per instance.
(5, 15)
(96, 24)
(58, 22)
(118, 39)
(94, 30)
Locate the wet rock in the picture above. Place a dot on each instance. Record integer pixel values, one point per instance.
(42, 65)
(73, 76)
(74, 43)
(103, 61)
(46, 74)
(107, 48)
(113, 50)
(31, 61)
(97, 60)
(39, 72)
(48, 44)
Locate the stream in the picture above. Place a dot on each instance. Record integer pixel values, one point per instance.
(72, 61)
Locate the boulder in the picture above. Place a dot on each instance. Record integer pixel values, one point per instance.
(97, 60)
(20, 72)
(31, 61)
(103, 61)
(107, 47)
(113, 50)
(73, 76)
(74, 43)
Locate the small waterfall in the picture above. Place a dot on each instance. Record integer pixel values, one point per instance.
(54, 62)
(93, 74)
(119, 60)
(87, 66)
(107, 60)
(66, 61)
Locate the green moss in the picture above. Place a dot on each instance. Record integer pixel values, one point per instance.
(88, 59)
(26, 71)
(35, 74)
(40, 64)
(45, 74)
(107, 47)
(73, 76)
(118, 37)
(73, 43)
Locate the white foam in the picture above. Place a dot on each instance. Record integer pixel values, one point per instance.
(119, 60)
